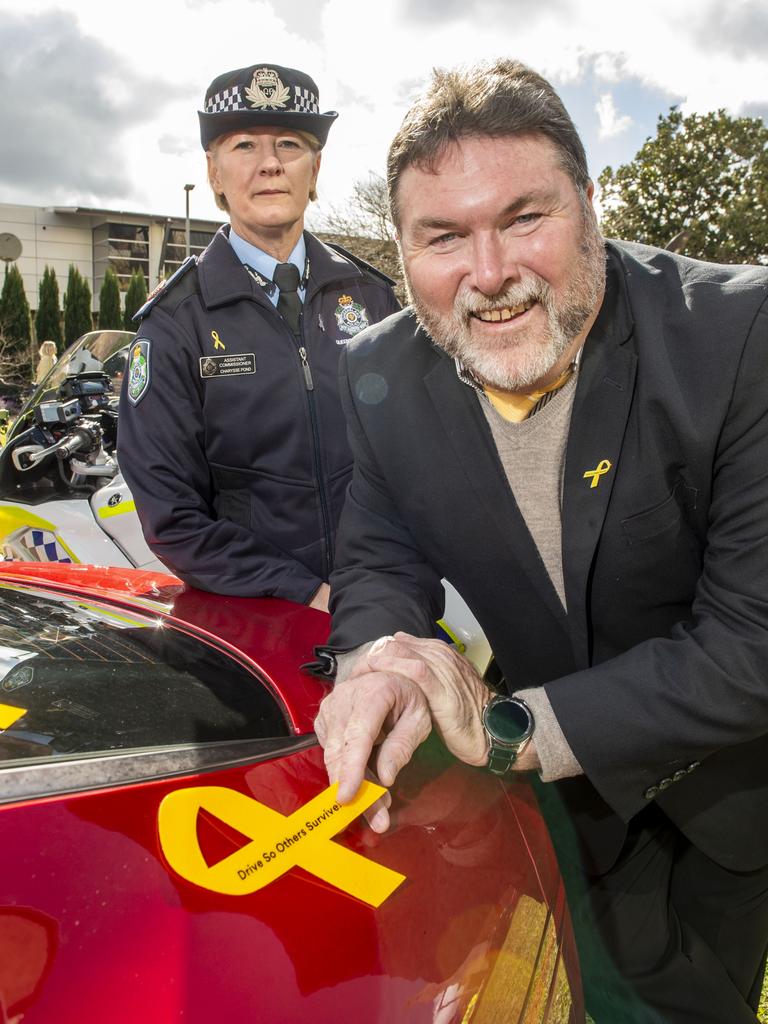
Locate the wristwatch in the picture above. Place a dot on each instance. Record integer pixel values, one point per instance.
(508, 724)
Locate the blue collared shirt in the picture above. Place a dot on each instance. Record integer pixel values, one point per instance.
(265, 264)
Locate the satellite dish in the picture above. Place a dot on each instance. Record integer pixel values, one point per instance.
(10, 247)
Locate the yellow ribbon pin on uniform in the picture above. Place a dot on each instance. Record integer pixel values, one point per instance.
(602, 467)
(217, 342)
(279, 842)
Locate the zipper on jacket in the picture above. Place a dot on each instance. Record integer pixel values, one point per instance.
(310, 388)
(305, 367)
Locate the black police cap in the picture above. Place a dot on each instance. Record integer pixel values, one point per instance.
(263, 94)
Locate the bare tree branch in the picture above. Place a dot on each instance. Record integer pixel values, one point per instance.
(364, 215)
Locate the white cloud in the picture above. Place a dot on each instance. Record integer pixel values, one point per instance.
(609, 67)
(368, 60)
(611, 122)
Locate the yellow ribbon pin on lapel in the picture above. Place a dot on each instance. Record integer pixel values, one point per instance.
(279, 842)
(602, 467)
(217, 342)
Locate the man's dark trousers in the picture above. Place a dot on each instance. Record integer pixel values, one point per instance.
(667, 926)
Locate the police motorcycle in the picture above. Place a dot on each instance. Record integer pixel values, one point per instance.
(63, 499)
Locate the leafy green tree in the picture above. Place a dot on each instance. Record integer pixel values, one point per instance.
(15, 320)
(700, 187)
(110, 314)
(48, 317)
(77, 306)
(135, 297)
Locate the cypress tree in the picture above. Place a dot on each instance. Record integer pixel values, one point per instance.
(110, 314)
(16, 323)
(48, 318)
(77, 307)
(135, 297)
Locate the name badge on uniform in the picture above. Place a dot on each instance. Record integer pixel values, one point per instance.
(227, 366)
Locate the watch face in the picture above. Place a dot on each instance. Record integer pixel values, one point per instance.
(507, 720)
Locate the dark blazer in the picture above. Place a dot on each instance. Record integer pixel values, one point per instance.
(658, 674)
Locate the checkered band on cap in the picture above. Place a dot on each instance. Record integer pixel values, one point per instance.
(228, 99)
(305, 101)
(263, 94)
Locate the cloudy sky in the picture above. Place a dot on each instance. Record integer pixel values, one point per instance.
(99, 99)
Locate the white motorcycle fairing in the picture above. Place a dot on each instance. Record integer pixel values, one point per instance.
(102, 530)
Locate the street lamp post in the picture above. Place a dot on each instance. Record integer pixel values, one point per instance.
(187, 190)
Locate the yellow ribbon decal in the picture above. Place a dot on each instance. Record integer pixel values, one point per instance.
(280, 842)
(9, 714)
(217, 342)
(602, 467)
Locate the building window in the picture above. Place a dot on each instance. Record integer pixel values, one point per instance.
(175, 247)
(124, 247)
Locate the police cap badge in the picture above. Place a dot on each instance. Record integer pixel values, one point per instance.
(263, 94)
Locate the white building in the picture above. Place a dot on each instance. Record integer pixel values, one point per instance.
(92, 240)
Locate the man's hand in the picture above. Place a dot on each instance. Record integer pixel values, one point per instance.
(394, 693)
(352, 720)
(455, 692)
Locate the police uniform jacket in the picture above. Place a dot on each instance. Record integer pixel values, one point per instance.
(658, 672)
(233, 439)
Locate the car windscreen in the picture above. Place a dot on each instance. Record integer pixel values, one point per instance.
(78, 677)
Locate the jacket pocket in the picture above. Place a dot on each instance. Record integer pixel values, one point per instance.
(662, 517)
(235, 505)
(232, 498)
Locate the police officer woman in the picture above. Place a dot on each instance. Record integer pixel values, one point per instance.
(232, 438)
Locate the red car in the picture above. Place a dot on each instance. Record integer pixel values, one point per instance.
(170, 849)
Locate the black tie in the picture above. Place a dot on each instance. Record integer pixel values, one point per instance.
(287, 279)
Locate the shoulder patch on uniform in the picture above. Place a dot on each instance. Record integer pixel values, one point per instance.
(165, 287)
(361, 264)
(138, 370)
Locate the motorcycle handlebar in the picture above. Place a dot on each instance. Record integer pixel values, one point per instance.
(79, 438)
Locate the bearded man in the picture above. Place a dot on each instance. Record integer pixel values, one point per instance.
(575, 433)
